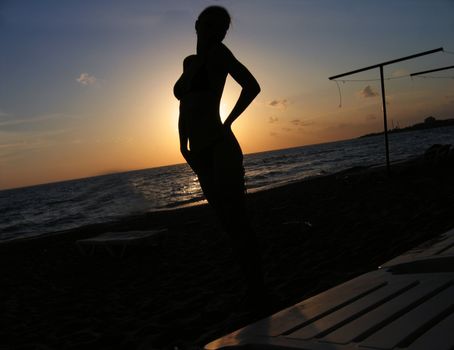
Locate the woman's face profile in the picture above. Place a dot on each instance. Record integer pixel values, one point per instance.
(204, 28)
(209, 29)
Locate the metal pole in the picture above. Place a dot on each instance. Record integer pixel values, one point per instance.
(386, 63)
(431, 71)
(385, 119)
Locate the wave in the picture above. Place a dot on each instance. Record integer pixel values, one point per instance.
(53, 207)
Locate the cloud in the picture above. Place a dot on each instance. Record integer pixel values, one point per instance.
(295, 121)
(399, 73)
(368, 92)
(272, 120)
(450, 99)
(274, 134)
(13, 150)
(86, 79)
(16, 121)
(3, 115)
(55, 122)
(298, 122)
(278, 103)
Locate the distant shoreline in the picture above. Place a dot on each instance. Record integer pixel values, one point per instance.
(429, 123)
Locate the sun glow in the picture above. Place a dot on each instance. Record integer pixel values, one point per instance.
(223, 110)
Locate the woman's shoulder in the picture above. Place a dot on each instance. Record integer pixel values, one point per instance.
(221, 49)
(190, 57)
(222, 54)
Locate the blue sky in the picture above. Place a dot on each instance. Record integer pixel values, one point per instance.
(87, 85)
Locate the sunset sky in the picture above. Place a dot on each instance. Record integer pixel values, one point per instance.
(86, 86)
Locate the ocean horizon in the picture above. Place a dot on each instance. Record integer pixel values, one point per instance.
(57, 206)
(108, 173)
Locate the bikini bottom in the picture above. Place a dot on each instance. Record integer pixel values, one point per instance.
(219, 168)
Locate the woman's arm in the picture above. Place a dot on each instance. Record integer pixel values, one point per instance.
(250, 87)
(181, 86)
(183, 139)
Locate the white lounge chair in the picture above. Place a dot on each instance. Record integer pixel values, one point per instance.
(406, 304)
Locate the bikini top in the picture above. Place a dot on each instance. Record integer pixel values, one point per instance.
(200, 81)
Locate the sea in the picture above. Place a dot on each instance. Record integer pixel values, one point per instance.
(49, 208)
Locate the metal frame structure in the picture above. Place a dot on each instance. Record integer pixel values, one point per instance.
(380, 66)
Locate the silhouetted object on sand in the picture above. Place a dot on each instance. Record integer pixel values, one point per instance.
(214, 153)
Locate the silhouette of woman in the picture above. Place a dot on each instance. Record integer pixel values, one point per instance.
(214, 153)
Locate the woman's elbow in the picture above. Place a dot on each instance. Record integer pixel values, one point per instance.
(255, 89)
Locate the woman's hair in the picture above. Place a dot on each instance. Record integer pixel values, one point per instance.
(216, 19)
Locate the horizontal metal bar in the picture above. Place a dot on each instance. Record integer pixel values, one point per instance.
(431, 70)
(386, 63)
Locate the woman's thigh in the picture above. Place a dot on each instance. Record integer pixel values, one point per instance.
(220, 171)
(228, 167)
(202, 164)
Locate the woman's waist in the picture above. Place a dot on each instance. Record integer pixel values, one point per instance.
(204, 128)
(198, 117)
(214, 139)
(200, 101)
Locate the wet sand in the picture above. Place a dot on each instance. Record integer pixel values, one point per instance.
(184, 289)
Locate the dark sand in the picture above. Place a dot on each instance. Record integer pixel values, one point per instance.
(185, 290)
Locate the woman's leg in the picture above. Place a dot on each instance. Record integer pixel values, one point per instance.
(202, 164)
(230, 191)
(221, 176)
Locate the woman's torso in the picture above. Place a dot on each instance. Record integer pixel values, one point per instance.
(199, 107)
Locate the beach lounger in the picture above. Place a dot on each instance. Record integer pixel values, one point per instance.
(436, 254)
(406, 304)
(116, 243)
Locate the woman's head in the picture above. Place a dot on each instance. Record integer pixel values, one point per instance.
(213, 23)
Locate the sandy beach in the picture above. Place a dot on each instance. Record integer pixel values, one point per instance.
(184, 290)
